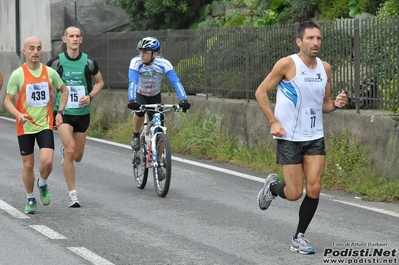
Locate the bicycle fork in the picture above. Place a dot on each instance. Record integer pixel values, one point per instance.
(152, 155)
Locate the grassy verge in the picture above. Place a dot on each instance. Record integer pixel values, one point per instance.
(7, 114)
(347, 166)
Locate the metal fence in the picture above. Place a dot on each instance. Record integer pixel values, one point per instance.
(232, 62)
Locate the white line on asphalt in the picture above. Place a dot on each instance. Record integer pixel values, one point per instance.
(48, 232)
(12, 211)
(90, 256)
(370, 208)
(241, 175)
(8, 119)
(231, 172)
(246, 176)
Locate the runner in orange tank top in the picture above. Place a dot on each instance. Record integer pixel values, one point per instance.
(32, 83)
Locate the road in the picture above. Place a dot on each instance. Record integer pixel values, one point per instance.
(210, 216)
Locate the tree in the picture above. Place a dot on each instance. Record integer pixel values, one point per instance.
(160, 14)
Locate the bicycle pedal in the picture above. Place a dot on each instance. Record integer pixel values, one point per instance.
(136, 160)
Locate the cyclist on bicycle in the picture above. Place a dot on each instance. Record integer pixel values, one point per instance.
(146, 71)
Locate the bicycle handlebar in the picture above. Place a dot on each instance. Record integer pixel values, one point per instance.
(159, 106)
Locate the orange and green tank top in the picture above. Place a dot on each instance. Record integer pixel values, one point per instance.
(34, 97)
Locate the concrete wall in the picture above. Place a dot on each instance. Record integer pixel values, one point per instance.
(35, 20)
(92, 16)
(45, 19)
(7, 26)
(376, 131)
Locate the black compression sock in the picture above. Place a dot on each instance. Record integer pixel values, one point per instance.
(278, 189)
(136, 134)
(306, 213)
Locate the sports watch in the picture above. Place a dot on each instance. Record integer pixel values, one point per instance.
(61, 111)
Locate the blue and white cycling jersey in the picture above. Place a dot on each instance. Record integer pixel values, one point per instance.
(146, 79)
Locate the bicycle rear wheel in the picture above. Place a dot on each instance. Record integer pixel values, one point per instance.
(140, 171)
(163, 173)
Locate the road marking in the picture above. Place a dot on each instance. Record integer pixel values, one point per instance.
(370, 208)
(48, 232)
(12, 211)
(227, 171)
(90, 256)
(241, 175)
(250, 177)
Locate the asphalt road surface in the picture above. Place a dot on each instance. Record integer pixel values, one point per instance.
(210, 216)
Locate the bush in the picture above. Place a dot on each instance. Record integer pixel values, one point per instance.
(235, 21)
(389, 9)
(191, 73)
(370, 6)
(333, 9)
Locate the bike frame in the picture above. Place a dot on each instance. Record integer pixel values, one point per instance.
(151, 129)
(153, 142)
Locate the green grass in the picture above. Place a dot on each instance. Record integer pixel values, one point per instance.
(347, 165)
(348, 169)
(7, 114)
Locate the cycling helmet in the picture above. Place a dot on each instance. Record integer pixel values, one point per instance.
(149, 43)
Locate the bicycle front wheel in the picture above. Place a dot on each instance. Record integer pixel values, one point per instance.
(163, 172)
(140, 171)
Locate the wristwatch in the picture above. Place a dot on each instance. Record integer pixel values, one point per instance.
(61, 111)
(91, 97)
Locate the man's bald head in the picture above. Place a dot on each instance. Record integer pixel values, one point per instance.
(32, 41)
(32, 51)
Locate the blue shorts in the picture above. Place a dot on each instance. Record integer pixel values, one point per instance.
(290, 153)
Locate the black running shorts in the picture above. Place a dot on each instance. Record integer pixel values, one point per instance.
(44, 139)
(289, 153)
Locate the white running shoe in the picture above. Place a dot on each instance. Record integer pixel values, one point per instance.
(300, 244)
(265, 196)
(74, 200)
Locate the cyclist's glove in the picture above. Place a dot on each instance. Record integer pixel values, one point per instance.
(134, 105)
(184, 104)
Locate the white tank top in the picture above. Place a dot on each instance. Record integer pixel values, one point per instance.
(300, 101)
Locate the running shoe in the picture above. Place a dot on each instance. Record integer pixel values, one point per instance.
(265, 196)
(62, 153)
(30, 207)
(74, 200)
(300, 245)
(135, 143)
(45, 197)
(161, 173)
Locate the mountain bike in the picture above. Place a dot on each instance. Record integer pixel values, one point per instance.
(155, 151)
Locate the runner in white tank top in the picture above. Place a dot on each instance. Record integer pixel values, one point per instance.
(299, 102)
(303, 94)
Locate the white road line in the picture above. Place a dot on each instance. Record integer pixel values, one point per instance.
(90, 256)
(378, 210)
(241, 175)
(227, 171)
(12, 211)
(48, 232)
(250, 177)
